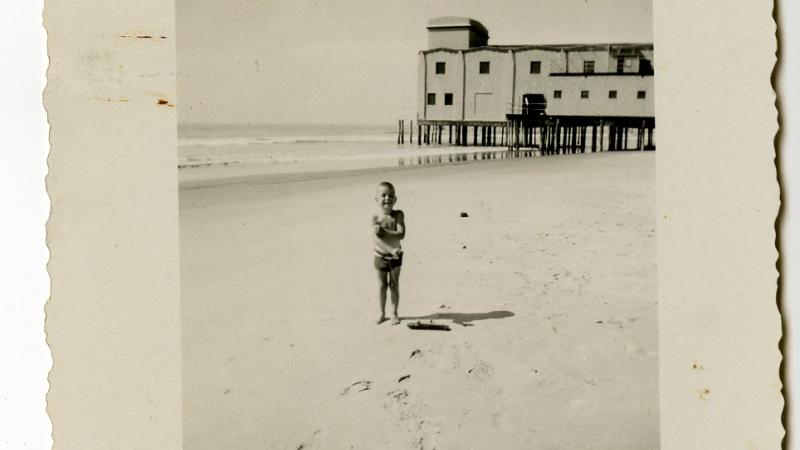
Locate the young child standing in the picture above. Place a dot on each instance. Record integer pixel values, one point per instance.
(389, 229)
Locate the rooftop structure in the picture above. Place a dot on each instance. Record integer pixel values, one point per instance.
(456, 33)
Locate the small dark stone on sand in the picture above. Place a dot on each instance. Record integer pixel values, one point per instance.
(403, 378)
(463, 214)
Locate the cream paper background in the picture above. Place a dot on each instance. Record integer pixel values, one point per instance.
(717, 196)
(113, 318)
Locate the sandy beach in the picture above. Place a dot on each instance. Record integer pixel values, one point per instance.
(549, 287)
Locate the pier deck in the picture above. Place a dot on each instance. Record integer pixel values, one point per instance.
(548, 134)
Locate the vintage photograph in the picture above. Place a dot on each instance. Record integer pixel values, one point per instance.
(417, 225)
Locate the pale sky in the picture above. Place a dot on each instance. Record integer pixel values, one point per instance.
(354, 61)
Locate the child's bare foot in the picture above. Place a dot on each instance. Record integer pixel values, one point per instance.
(395, 320)
(381, 319)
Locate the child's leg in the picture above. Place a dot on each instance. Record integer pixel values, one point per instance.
(394, 285)
(383, 283)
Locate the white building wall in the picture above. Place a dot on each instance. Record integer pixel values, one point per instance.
(440, 84)
(531, 83)
(490, 96)
(456, 38)
(598, 103)
(602, 62)
(421, 85)
(487, 95)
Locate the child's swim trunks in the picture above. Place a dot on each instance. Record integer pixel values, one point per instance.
(387, 263)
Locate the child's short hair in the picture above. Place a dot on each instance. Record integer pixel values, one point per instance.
(386, 184)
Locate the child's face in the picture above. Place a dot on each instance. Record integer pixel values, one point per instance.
(385, 198)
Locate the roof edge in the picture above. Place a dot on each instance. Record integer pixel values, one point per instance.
(457, 22)
(545, 47)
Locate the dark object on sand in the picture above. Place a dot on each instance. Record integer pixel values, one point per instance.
(403, 378)
(463, 214)
(419, 325)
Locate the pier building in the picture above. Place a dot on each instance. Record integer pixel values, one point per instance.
(551, 97)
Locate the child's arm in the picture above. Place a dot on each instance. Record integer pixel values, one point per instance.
(400, 233)
(377, 228)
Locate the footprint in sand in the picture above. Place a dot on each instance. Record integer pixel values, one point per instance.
(398, 395)
(358, 386)
(312, 443)
(398, 401)
(481, 370)
(426, 436)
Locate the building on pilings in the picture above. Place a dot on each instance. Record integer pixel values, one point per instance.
(571, 95)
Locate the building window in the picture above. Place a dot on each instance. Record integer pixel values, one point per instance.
(431, 99)
(641, 94)
(645, 66)
(484, 67)
(588, 67)
(536, 67)
(556, 94)
(612, 94)
(440, 67)
(584, 94)
(448, 99)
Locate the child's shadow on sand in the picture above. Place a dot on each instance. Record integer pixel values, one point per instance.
(464, 319)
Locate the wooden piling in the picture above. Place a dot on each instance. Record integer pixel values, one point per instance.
(614, 133)
(545, 138)
(583, 139)
(556, 139)
(571, 140)
(625, 144)
(640, 137)
(602, 145)
(576, 134)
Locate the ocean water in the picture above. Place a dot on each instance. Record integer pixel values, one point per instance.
(213, 144)
(291, 148)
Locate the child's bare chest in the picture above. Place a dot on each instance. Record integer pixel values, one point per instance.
(387, 221)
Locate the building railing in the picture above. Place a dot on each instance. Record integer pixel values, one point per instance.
(523, 109)
(642, 73)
